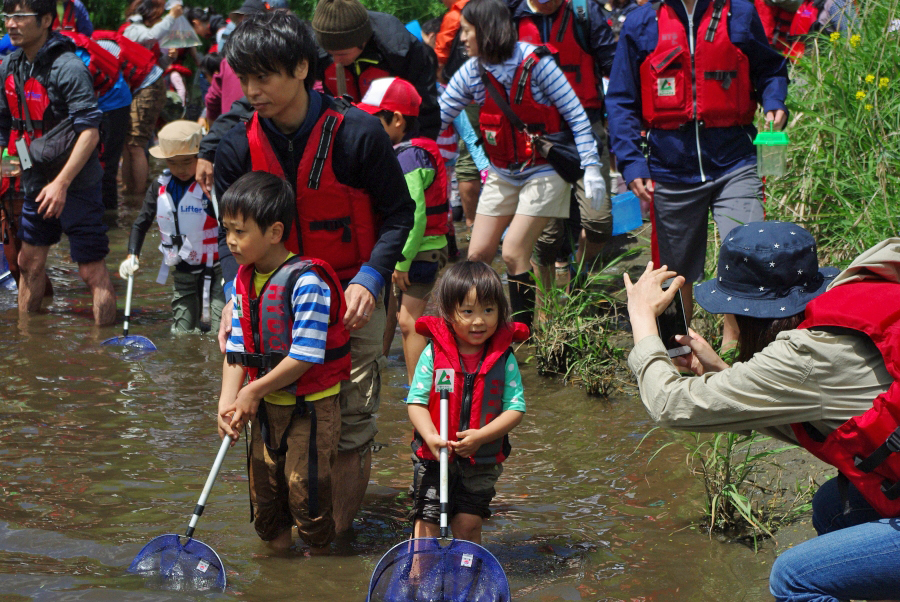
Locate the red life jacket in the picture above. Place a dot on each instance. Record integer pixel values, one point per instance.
(335, 222)
(135, 61)
(577, 64)
(357, 84)
(185, 71)
(448, 143)
(805, 17)
(68, 20)
(267, 320)
(104, 67)
(718, 69)
(436, 204)
(37, 101)
(506, 146)
(476, 398)
(863, 448)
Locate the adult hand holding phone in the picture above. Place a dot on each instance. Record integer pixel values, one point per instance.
(647, 299)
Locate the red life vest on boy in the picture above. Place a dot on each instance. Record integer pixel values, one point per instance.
(335, 222)
(577, 64)
(357, 84)
(104, 67)
(36, 99)
(267, 319)
(864, 448)
(504, 145)
(476, 398)
(436, 204)
(135, 61)
(718, 69)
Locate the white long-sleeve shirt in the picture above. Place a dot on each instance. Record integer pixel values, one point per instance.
(548, 86)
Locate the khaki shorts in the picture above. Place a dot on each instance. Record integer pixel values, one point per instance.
(146, 106)
(545, 196)
(361, 395)
(279, 484)
(425, 268)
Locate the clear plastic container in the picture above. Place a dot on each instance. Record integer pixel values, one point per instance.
(771, 152)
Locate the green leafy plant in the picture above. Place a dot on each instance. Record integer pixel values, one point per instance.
(574, 333)
(842, 178)
(742, 500)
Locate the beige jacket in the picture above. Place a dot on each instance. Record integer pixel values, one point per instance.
(822, 376)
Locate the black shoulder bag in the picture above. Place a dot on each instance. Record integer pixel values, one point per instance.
(52, 150)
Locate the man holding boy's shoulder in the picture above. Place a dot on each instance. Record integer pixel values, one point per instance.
(354, 209)
(57, 200)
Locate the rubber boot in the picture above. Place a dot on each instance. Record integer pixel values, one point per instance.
(522, 297)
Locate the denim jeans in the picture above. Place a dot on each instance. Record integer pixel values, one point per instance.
(856, 555)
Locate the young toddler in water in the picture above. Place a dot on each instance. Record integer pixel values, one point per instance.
(471, 338)
(288, 337)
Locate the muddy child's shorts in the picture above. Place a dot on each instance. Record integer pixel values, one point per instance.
(471, 489)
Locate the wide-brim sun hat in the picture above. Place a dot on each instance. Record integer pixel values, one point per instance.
(766, 270)
(178, 138)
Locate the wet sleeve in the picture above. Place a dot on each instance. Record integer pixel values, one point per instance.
(513, 392)
(420, 387)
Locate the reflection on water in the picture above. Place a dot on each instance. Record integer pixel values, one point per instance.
(100, 452)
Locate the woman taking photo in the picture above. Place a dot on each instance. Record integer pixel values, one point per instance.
(522, 192)
(809, 364)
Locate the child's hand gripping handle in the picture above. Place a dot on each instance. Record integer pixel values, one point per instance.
(444, 385)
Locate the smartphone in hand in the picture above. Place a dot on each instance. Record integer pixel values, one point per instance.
(672, 322)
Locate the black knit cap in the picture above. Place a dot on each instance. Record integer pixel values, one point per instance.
(341, 24)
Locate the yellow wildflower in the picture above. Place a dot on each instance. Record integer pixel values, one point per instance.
(854, 40)
(883, 82)
(870, 79)
(869, 107)
(860, 95)
(834, 37)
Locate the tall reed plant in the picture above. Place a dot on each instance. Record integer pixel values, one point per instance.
(844, 158)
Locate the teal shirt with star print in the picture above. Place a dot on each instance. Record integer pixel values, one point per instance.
(419, 389)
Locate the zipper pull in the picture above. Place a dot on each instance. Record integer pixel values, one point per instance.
(290, 146)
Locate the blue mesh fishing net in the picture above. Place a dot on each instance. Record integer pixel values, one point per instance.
(422, 570)
(132, 341)
(168, 564)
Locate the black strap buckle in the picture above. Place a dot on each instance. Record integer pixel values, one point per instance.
(332, 225)
(263, 361)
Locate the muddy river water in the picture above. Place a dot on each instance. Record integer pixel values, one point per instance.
(99, 453)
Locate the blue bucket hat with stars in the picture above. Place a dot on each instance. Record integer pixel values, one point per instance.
(766, 270)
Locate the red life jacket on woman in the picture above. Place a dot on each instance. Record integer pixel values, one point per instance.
(104, 67)
(36, 99)
(436, 204)
(357, 84)
(577, 64)
(135, 61)
(335, 222)
(505, 146)
(864, 449)
(267, 318)
(718, 69)
(476, 398)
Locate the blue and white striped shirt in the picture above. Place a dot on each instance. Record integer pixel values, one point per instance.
(311, 300)
(548, 86)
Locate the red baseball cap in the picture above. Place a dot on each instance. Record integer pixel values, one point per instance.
(391, 94)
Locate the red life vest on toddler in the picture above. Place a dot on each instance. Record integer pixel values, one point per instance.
(577, 64)
(267, 319)
(864, 449)
(718, 69)
(436, 204)
(504, 145)
(335, 222)
(476, 398)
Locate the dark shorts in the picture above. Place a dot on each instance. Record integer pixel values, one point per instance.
(681, 216)
(471, 489)
(81, 221)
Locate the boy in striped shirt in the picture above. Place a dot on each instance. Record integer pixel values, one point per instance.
(289, 340)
